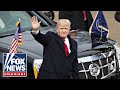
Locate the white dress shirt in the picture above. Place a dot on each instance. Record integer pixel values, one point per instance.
(35, 32)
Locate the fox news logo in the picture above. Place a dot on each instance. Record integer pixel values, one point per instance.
(14, 65)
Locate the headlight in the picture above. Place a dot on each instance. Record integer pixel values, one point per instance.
(36, 66)
(117, 47)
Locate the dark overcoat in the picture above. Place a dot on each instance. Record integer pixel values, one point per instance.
(55, 64)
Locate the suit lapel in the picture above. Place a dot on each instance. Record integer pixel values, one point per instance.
(72, 46)
(60, 42)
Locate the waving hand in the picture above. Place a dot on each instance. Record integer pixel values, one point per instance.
(35, 23)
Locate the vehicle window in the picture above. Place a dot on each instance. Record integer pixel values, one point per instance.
(44, 22)
(8, 20)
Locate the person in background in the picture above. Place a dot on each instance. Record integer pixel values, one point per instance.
(60, 51)
(79, 19)
(73, 34)
(117, 16)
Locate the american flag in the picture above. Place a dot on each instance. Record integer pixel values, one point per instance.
(17, 40)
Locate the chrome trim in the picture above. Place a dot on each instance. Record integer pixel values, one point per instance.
(95, 57)
(113, 62)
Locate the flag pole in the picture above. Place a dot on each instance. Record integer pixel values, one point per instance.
(100, 35)
(90, 29)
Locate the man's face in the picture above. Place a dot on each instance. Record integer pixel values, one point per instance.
(63, 30)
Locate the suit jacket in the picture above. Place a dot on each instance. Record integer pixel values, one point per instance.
(55, 63)
(77, 19)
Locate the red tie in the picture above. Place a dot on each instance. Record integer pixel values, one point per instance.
(66, 48)
(84, 13)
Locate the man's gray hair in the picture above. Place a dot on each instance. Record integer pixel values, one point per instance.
(67, 21)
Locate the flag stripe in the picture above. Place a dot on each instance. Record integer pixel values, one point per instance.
(13, 50)
(14, 47)
(13, 43)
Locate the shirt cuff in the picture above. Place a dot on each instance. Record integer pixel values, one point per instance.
(35, 32)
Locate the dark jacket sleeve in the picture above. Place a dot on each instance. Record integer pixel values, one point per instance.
(43, 39)
(89, 19)
(117, 16)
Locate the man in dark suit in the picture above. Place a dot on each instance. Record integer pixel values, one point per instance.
(60, 51)
(79, 19)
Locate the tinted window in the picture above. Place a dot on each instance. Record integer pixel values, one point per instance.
(8, 20)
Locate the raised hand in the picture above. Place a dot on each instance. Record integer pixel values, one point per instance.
(35, 23)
